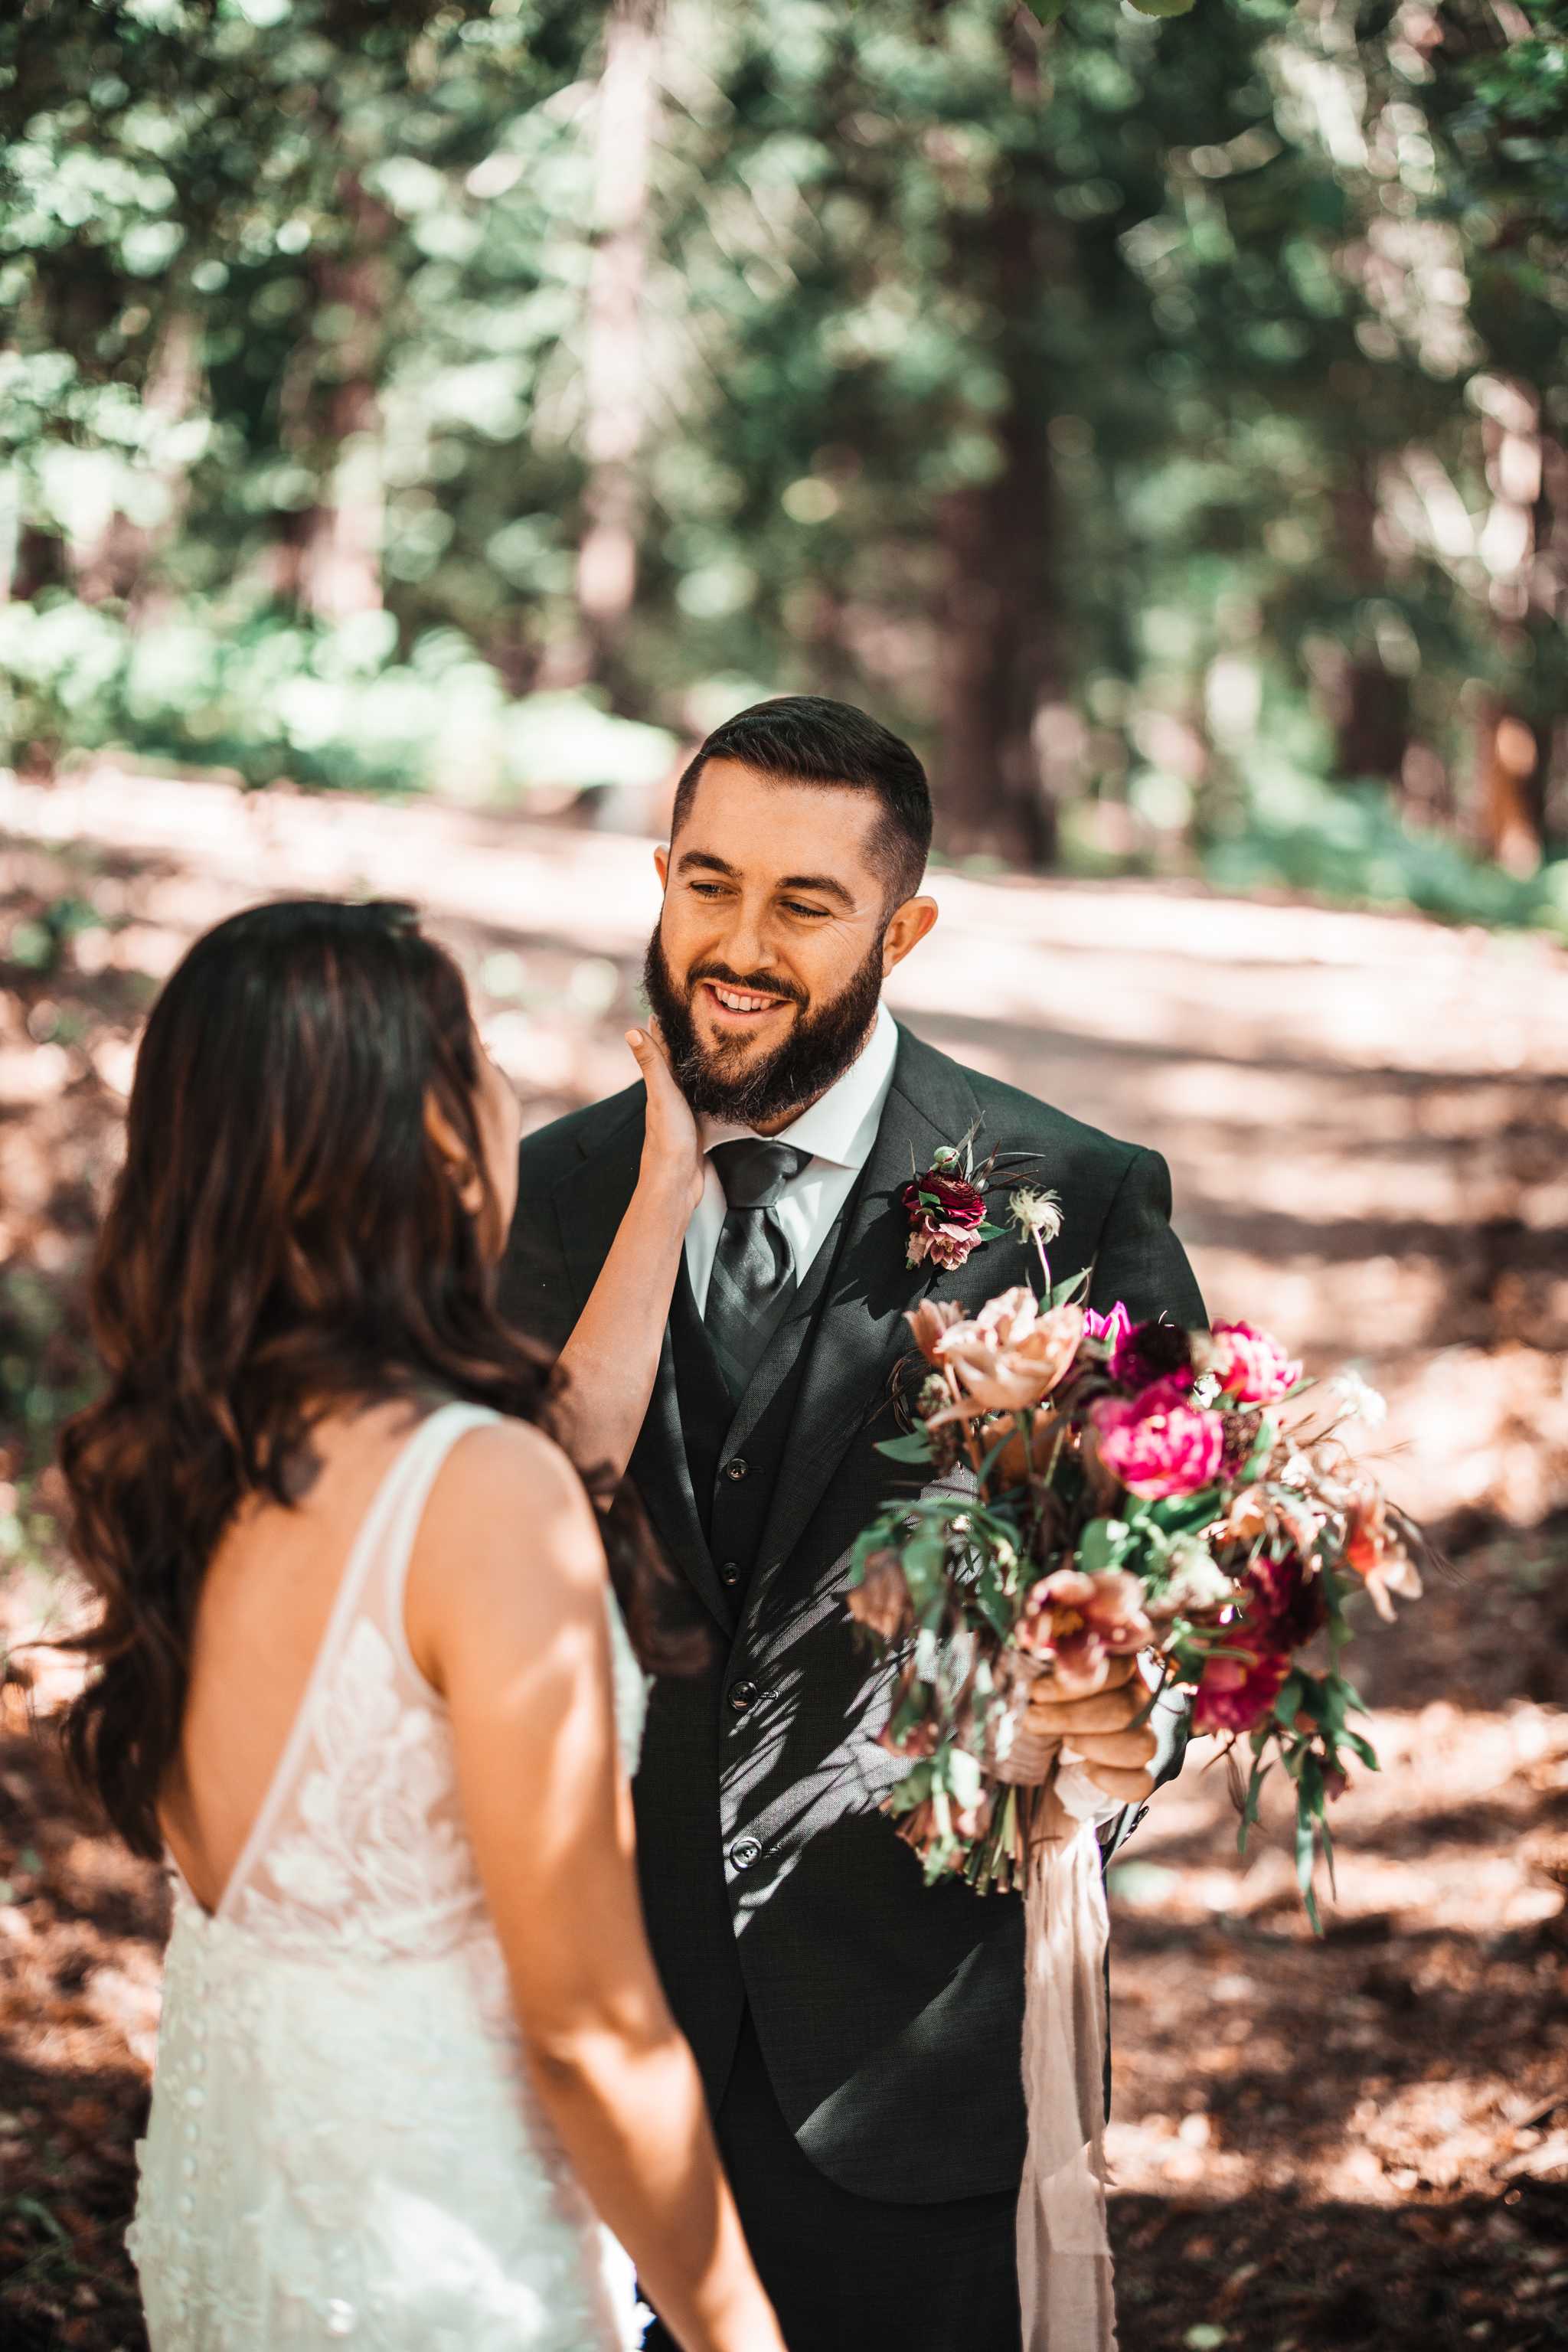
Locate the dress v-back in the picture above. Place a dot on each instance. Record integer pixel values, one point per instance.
(344, 2143)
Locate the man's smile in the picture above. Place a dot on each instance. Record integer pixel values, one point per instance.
(738, 1008)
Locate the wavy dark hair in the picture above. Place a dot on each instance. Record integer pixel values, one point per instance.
(284, 1240)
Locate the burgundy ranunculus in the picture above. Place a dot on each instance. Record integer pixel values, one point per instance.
(1285, 1606)
(1153, 1351)
(1239, 1444)
(944, 1226)
(1235, 1693)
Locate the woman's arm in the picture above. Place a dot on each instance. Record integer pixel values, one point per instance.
(506, 1614)
(607, 1369)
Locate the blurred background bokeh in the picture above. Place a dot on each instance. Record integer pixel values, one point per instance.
(421, 424)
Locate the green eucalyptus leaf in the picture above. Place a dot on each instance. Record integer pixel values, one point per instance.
(915, 1447)
(914, 1788)
(1291, 1698)
(1306, 1856)
(1102, 1544)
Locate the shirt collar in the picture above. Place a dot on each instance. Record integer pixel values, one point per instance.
(841, 1125)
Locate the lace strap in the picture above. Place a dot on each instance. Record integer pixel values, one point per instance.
(417, 1473)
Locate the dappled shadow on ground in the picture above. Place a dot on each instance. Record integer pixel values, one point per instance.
(1362, 2141)
(81, 1935)
(1280, 2273)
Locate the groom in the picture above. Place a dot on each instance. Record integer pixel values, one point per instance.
(858, 2034)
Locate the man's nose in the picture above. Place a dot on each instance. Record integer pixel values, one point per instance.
(745, 944)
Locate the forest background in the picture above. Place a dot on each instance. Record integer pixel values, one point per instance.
(418, 424)
(1161, 422)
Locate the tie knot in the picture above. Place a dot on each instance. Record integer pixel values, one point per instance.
(755, 1170)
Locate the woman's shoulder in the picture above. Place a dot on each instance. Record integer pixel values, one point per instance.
(507, 1539)
(503, 1473)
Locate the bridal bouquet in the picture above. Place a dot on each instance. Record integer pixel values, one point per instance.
(1096, 1487)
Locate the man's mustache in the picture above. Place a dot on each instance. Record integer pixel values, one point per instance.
(758, 984)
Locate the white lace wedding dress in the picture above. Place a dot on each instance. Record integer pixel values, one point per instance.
(343, 2143)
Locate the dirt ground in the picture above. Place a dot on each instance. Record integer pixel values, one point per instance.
(1356, 2142)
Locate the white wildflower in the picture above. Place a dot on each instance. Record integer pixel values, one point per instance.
(1038, 1214)
(1359, 1400)
(1197, 1580)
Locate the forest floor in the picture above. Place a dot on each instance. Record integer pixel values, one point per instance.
(1318, 2145)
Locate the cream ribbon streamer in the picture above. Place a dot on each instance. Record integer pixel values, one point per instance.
(1064, 2254)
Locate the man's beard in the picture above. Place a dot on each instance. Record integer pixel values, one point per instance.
(819, 1048)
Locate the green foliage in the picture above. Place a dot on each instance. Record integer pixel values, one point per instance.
(1161, 422)
(1348, 845)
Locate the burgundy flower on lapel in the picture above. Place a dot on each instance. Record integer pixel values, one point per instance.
(945, 1214)
(945, 1206)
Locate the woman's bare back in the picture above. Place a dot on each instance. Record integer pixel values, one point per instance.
(263, 1613)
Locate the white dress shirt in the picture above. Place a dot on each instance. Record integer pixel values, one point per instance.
(838, 1130)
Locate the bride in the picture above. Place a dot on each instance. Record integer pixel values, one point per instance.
(362, 1679)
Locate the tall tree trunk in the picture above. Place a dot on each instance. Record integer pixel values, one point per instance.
(173, 389)
(1370, 704)
(999, 666)
(1509, 777)
(340, 549)
(614, 376)
(1514, 545)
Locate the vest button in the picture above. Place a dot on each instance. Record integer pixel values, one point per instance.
(730, 1573)
(742, 1696)
(735, 1467)
(745, 1851)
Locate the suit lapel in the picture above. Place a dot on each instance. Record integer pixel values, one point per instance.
(860, 1333)
(591, 1199)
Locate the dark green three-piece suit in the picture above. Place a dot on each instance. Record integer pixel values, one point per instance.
(857, 2033)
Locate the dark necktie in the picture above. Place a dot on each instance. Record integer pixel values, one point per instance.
(753, 1279)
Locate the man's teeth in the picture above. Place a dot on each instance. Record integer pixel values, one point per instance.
(737, 1003)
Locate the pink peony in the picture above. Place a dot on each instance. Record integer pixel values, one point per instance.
(1237, 1694)
(1157, 1443)
(1249, 1365)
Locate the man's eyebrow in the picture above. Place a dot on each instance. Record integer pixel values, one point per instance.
(710, 863)
(821, 883)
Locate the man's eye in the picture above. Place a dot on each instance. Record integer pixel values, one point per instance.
(705, 889)
(793, 907)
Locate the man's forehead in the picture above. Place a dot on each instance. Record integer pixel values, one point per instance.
(772, 825)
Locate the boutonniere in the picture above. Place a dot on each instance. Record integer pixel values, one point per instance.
(946, 1205)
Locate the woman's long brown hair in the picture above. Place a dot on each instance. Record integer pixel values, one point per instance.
(285, 1240)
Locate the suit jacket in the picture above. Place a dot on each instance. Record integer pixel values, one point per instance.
(890, 2014)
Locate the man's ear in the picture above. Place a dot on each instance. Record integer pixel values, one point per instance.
(908, 928)
(661, 864)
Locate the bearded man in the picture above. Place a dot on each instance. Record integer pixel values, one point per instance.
(858, 2034)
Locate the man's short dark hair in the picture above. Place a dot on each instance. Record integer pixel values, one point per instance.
(804, 739)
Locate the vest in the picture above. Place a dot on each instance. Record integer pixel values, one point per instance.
(733, 1452)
